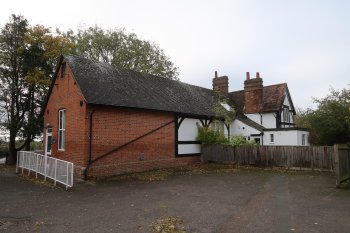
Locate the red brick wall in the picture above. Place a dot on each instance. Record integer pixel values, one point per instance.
(113, 127)
(67, 95)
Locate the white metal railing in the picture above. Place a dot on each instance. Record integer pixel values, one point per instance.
(58, 170)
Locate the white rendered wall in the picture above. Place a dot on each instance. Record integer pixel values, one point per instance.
(239, 128)
(189, 149)
(286, 138)
(268, 119)
(188, 131)
(307, 134)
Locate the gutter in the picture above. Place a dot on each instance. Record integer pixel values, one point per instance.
(90, 145)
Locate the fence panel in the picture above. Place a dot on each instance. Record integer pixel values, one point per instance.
(313, 157)
(58, 170)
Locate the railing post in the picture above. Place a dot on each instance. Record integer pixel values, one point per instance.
(29, 166)
(67, 176)
(22, 161)
(45, 165)
(37, 165)
(55, 171)
(72, 176)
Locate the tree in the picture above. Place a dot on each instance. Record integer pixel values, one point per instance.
(27, 57)
(330, 122)
(123, 50)
(40, 58)
(13, 87)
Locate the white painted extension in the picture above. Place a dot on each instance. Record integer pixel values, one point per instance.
(58, 170)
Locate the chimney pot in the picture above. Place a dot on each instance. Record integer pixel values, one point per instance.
(257, 75)
(247, 76)
(216, 74)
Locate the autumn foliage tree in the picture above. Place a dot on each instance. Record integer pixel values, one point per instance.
(27, 58)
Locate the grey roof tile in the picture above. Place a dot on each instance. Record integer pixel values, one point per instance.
(104, 84)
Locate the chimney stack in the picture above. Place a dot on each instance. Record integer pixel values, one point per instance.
(220, 84)
(247, 76)
(253, 94)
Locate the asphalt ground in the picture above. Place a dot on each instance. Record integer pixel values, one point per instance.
(204, 199)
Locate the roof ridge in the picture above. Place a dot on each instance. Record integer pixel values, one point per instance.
(134, 71)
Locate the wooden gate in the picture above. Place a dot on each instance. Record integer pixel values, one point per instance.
(342, 164)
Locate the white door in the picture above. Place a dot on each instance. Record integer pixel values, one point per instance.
(48, 141)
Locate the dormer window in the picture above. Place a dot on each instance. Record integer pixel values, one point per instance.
(286, 114)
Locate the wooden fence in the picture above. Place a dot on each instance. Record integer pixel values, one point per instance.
(310, 157)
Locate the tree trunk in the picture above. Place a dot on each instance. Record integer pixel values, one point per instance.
(12, 157)
(27, 142)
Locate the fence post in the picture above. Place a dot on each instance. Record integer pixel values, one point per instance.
(55, 171)
(336, 166)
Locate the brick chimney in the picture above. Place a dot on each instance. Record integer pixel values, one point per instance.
(253, 93)
(220, 83)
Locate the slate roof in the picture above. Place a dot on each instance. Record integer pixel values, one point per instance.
(103, 84)
(273, 97)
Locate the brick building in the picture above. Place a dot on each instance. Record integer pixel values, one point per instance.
(111, 121)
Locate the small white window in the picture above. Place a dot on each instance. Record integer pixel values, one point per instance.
(61, 128)
(272, 138)
(303, 139)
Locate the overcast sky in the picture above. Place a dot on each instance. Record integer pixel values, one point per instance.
(305, 43)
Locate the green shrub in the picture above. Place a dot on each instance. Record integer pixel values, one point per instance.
(209, 136)
(240, 140)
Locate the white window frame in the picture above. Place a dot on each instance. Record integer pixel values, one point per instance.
(61, 129)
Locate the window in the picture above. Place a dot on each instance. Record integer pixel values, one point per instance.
(257, 140)
(303, 139)
(286, 114)
(272, 139)
(61, 128)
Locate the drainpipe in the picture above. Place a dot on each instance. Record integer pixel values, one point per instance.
(90, 145)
